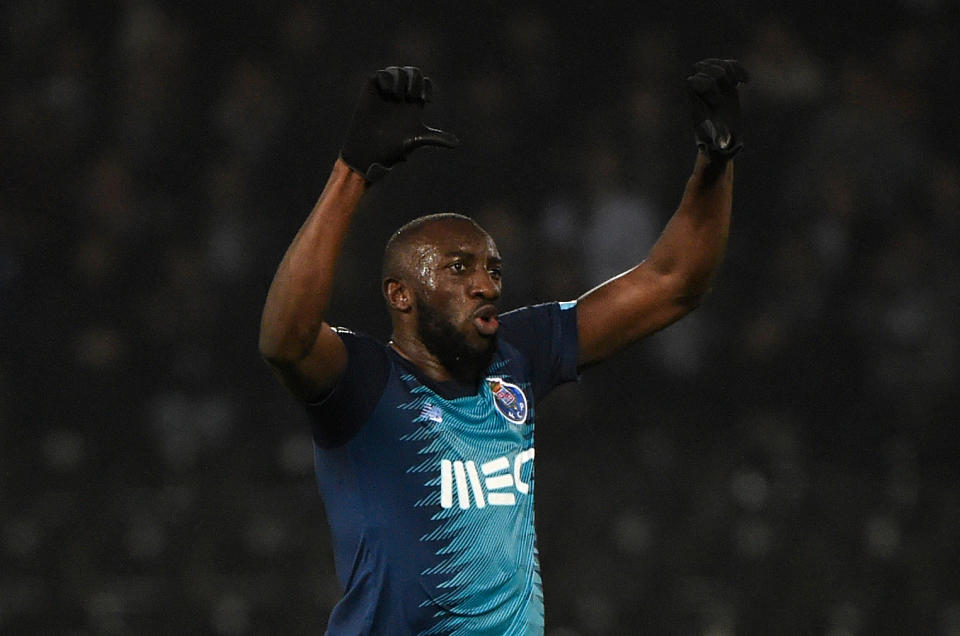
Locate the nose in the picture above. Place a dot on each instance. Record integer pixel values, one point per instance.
(483, 285)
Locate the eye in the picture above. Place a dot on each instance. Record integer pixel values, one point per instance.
(457, 267)
(496, 273)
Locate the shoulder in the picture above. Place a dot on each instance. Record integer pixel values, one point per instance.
(339, 414)
(537, 316)
(362, 348)
(545, 336)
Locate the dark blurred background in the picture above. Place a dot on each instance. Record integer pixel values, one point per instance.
(784, 460)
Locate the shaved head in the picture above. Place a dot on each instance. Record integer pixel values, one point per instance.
(396, 256)
(441, 280)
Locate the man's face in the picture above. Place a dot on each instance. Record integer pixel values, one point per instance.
(456, 268)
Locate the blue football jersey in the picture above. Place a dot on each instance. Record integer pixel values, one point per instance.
(429, 487)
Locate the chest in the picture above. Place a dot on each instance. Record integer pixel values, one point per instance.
(469, 452)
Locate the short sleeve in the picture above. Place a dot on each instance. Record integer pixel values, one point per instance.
(546, 335)
(338, 416)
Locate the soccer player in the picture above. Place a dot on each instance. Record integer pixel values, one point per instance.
(424, 445)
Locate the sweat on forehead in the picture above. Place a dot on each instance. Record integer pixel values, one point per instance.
(422, 227)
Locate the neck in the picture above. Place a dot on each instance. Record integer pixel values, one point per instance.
(468, 371)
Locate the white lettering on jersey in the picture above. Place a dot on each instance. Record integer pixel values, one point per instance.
(501, 483)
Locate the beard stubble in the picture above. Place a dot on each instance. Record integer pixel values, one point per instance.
(450, 346)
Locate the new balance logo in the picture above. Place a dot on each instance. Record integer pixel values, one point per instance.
(431, 412)
(501, 481)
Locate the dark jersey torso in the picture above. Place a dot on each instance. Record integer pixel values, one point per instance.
(429, 487)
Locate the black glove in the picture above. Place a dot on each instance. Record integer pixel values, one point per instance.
(386, 125)
(716, 107)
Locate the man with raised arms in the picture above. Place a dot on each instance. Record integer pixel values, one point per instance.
(425, 444)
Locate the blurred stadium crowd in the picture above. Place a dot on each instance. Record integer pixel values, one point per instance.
(785, 460)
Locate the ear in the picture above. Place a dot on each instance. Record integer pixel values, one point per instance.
(398, 295)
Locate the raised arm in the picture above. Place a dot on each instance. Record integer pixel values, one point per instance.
(305, 352)
(677, 272)
(295, 339)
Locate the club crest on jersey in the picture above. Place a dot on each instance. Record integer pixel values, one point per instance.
(509, 400)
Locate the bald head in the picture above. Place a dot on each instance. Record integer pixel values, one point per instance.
(405, 244)
(441, 281)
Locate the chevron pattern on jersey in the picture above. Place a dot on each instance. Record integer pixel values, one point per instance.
(487, 557)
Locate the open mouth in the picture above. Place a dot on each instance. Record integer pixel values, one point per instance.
(486, 321)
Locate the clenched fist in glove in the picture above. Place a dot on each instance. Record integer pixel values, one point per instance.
(716, 106)
(386, 125)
